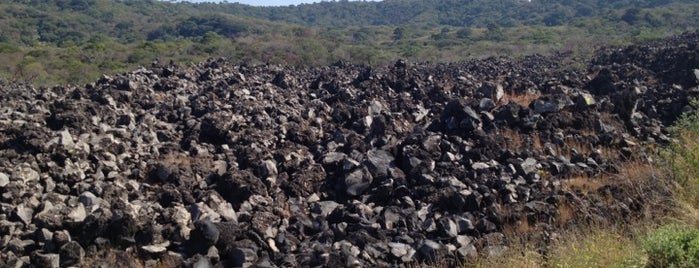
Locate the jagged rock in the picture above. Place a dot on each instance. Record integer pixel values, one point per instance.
(71, 254)
(356, 182)
(430, 250)
(24, 213)
(4, 180)
(50, 260)
(243, 257)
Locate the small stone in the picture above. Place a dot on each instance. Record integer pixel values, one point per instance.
(268, 169)
(209, 231)
(66, 140)
(449, 227)
(203, 262)
(4, 180)
(585, 99)
(26, 174)
(78, 213)
(154, 249)
(379, 162)
(467, 252)
(357, 181)
(212, 254)
(61, 237)
(430, 250)
(399, 249)
(48, 260)
(528, 166)
(480, 166)
(243, 257)
(71, 254)
(324, 208)
(89, 199)
(24, 213)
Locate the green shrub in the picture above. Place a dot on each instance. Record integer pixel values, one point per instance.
(683, 157)
(673, 246)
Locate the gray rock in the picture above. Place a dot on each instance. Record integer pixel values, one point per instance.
(527, 166)
(324, 208)
(390, 217)
(357, 181)
(154, 249)
(26, 174)
(486, 226)
(493, 91)
(268, 168)
(696, 75)
(333, 157)
(375, 108)
(77, 213)
(243, 257)
(4, 180)
(449, 227)
(48, 260)
(480, 166)
(541, 106)
(71, 254)
(44, 235)
(472, 113)
(464, 225)
(66, 140)
(89, 199)
(464, 240)
(24, 213)
(379, 162)
(486, 104)
(467, 252)
(209, 231)
(399, 249)
(430, 250)
(203, 262)
(583, 100)
(62, 237)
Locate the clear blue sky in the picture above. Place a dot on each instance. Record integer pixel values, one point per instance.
(264, 2)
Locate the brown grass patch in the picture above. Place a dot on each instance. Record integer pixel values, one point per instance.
(517, 141)
(524, 99)
(584, 184)
(513, 139)
(566, 213)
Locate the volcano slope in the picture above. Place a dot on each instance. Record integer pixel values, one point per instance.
(219, 165)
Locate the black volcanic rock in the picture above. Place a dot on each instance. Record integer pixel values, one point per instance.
(238, 165)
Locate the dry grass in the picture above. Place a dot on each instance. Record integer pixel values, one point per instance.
(524, 99)
(584, 184)
(596, 248)
(518, 141)
(513, 139)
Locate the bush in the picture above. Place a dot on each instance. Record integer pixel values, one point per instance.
(673, 246)
(683, 156)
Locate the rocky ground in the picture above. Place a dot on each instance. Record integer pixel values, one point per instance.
(220, 165)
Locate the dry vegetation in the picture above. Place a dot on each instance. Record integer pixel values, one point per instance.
(656, 179)
(523, 99)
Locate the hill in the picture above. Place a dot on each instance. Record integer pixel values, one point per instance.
(75, 41)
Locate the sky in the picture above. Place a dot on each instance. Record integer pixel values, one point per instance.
(265, 2)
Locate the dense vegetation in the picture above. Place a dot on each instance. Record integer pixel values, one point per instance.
(74, 41)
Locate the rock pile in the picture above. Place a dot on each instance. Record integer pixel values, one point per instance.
(220, 165)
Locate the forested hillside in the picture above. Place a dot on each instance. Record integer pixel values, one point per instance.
(73, 41)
